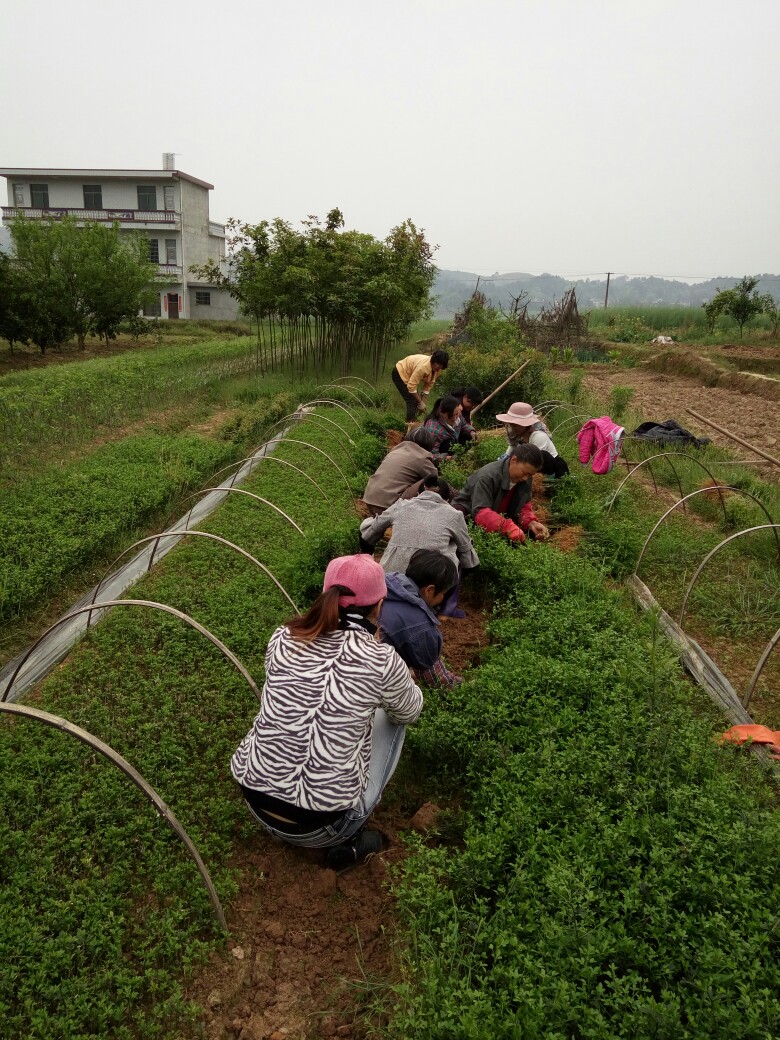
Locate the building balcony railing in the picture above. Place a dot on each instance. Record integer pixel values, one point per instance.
(169, 271)
(124, 216)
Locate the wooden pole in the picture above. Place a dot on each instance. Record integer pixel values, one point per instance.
(498, 388)
(606, 294)
(734, 437)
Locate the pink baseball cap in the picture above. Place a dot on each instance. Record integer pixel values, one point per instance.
(361, 575)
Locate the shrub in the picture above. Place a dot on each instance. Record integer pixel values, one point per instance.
(574, 385)
(619, 400)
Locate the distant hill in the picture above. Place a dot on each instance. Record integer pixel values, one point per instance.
(452, 288)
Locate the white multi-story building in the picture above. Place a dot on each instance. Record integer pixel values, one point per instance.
(168, 207)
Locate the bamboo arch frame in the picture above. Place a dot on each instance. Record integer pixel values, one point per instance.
(239, 491)
(156, 538)
(292, 440)
(347, 389)
(356, 389)
(660, 455)
(57, 722)
(337, 404)
(89, 608)
(270, 458)
(703, 491)
(712, 552)
(760, 667)
(313, 417)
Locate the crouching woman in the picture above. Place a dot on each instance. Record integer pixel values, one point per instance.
(332, 720)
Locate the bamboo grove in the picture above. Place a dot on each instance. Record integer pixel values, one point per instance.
(324, 296)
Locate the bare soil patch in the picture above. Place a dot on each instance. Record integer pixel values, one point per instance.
(661, 396)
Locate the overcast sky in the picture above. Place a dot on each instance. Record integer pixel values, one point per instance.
(633, 136)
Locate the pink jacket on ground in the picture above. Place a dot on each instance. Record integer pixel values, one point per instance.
(600, 441)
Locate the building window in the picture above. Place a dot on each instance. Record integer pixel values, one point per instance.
(18, 194)
(39, 196)
(154, 250)
(93, 196)
(154, 309)
(147, 196)
(203, 299)
(170, 250)
(169, 200)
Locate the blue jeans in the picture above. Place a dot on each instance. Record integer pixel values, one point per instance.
(387, 740)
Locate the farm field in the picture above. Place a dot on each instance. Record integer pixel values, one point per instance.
(661, 396)
(601, 866)
(101, 453)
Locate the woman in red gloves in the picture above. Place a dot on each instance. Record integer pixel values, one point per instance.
(498, 496)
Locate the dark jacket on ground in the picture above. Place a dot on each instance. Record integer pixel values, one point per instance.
(668, 432)
(493, 504)
(408, 624)
(405, 465)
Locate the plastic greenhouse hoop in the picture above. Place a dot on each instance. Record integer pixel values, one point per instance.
(347, 389)
(337, 404)
(257, 459)
(703, 491)
(292, 440)
(57, 722)
(239, 491)
(571, 418)
(370, 386)
(712, 552)
(89, 608)
(360, 379)
(651, 458)
(186, 533)
(314, 417)
(759, 668)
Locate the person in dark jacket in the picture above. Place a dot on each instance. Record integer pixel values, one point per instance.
(409, 622)
(498, 496)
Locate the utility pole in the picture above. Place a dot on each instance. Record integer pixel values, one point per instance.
(606, 294)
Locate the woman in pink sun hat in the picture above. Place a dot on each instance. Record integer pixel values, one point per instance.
(524, 426)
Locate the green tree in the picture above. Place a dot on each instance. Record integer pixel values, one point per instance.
(772, 312)
(326, 294)
(79, 280)
(14, 308)
(742, 303)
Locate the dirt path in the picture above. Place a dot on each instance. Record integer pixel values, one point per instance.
(660, 396)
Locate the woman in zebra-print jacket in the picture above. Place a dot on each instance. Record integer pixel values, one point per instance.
(331, 724)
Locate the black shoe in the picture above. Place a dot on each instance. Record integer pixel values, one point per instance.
(358, 849)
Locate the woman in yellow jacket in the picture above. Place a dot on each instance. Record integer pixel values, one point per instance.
(413, 370)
